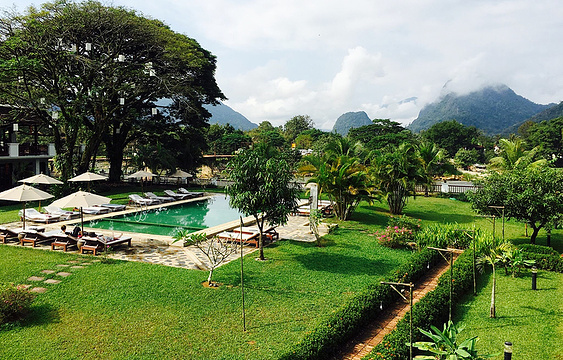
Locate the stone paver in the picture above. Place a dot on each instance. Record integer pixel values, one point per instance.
(48, 271)
(35, 278)
(64, 274)
(77, 267)
(52, 281)
(63, 265)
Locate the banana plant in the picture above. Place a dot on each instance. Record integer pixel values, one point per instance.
(444, 345)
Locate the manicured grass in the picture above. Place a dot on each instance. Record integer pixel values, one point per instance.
(143, 311)
(531, 320)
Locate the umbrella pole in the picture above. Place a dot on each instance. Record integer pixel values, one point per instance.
(23, 215)
(82, 221)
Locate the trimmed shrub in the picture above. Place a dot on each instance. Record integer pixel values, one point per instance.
(329, 336)
(545, 261)
(433, 309)
(538, 249)
(14, 302)
(394, 237)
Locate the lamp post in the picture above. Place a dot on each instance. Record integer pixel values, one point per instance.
(508, 350)
(410, 286)
(534, 277)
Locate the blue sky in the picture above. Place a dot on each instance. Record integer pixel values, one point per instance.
(278, 59)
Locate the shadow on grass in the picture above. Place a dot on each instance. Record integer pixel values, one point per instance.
(345, 264)
(38, 316)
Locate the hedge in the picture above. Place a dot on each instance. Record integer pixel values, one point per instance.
(331, 334)
(432, 309)
(538, 249)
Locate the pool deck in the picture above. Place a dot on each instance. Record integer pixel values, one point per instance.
(163, 250)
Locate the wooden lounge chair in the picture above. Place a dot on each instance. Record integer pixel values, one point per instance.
(100, 243)
(247, 238)
(71, 239)
(9, 234)
(34, 237)
(270, 233)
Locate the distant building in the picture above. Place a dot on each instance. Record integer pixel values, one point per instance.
(25, 147)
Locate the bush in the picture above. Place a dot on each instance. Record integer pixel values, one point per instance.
(405, 222)
(443, 236)
(394, 237)
(14, 302)
(329, 336)
(432, 309)
(537, 249)
(545, 261)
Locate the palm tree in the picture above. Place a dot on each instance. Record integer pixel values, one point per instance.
(396, 174)
(514, 155)
(431, 158)
(492, 254)
(342, 177)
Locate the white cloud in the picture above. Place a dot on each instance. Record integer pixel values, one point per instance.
(324, 58)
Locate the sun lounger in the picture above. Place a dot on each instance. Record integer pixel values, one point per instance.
(236, 237)
(163, 199)
(71, 239)
(34, 237)
(36, 216)
(65, 214)
(9, 234)
(95, 210)
(270, 233)
(176, 195)
(113, 207)
(190, 193)
(100, 242)
(141, 201)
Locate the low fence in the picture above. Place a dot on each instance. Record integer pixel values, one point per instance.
(448, 188)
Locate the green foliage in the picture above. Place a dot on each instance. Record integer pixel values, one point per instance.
(394, 237)
(466, 157)
(296, 125)
(537, 249)
(432, 309)
(547, 136)
(446, 235)
(406, 222)
(545, 261)
(344, 323)
(380, 134)
(341, 176)
(531, 195)
(452, 136)
(396, 174)
(263, 186)
(445, 345)
(14, 302)
(513, 154)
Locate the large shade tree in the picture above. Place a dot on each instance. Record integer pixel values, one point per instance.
(263, 187)
(531, 195)
(98, 72)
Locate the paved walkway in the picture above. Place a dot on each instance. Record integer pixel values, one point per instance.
(373, 334)
(161, 249)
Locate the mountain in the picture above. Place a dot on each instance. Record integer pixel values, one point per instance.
(492, 109)
(223, 114)
(550, 113)
(350, 120)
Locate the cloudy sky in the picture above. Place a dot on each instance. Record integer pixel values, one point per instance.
(322, 58)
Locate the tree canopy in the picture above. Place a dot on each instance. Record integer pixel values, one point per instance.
(380, 134)
(531, 195)
(96, 74)
(451, 136)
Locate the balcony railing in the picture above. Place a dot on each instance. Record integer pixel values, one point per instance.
(14, 150)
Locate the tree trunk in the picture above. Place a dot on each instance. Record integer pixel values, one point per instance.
(209, 277)
(493, 312)
(260, 223)
(534, 233)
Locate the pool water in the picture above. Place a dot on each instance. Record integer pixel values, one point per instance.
(193, 216)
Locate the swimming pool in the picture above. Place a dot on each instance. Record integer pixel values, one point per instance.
(193, 216)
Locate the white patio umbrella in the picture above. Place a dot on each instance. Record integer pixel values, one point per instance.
(24, 193)
(141, 174)
(41, 179)
(88, 177)
(81, 199)
(181, 174)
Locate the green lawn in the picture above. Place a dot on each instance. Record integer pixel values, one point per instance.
(531, 320)
(129, 310)
(141, 311)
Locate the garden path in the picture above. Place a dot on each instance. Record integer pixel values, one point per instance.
(373, 334)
